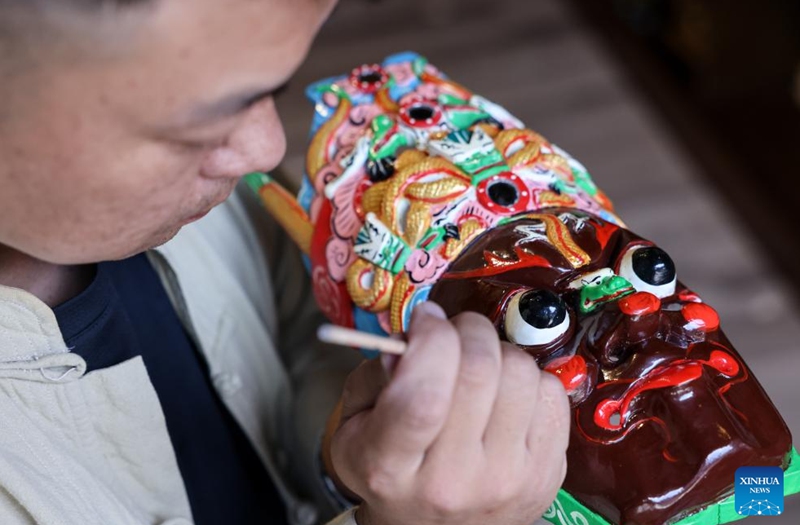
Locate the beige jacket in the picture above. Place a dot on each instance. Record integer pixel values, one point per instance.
(85, 449)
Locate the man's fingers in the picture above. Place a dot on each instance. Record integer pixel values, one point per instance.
(549, 428)
(362, 388)
(548, 436)
(515, 405)
(476, 387)
(413, 408)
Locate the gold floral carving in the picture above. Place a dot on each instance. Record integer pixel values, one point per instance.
(557, 163)
(399, 293)
(418, 220)
(468, 230)
(440, 190)
(409, 157)
(529, 154)
(317, 155)
(559, 236)
(507, 137)
(392, 189)
(376, 297)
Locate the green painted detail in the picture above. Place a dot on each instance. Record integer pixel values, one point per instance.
(385, 143)
(390, 84)
(482, 161)
(446, 99)
(418, 65)
(463, 118)
(562, 186)
(584, 181)
(332, 88)
(610, 288)
(512, 218)
(491, 171)
(323, 88)
(391, 254)
(433, 238)
(791, 477)
(257, 180)
(381, 126)
(400, 256)
(566, 510)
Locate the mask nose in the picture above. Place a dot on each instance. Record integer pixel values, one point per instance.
(617, 336)
(640, 304)
(258, 143)
(600, 287)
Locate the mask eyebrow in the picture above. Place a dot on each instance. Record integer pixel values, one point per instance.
(230, 105)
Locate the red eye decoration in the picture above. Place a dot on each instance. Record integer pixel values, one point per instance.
(701, 316)
(504, 193)
(369, 78)
(421, 114)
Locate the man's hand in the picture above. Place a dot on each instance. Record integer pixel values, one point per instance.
(466, 431)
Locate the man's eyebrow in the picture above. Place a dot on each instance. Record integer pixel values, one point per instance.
(231, 105)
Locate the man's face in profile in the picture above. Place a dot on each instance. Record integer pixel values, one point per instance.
(118, 126)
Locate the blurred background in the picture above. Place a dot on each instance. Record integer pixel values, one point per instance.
(686, 112)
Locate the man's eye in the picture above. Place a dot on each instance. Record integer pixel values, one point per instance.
(201, 141)
(649, 269)
(536, 318)
(191, 145)
(204, 137)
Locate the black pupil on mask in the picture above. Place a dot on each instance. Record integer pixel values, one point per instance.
(542, 309)
(370, 77)
(503, 193)
(380, 169)
(653, 266)
(420, 112)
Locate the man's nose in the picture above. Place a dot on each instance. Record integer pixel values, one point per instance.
(258, 143)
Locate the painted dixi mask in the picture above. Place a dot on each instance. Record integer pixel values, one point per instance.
(416, 189)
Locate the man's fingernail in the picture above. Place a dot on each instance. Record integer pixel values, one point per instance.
(389, 362)
(430, 308)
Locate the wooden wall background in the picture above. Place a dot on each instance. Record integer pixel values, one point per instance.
(536, 59)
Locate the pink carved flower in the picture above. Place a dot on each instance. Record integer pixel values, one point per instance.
(339, 254)
(424, 267)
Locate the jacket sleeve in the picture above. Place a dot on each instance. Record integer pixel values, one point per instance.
(317, 371)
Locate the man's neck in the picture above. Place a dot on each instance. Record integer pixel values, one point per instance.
(51, 283)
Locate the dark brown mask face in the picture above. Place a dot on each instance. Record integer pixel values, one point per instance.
(664, 409)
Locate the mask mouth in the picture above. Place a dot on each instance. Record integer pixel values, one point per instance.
(614, 413)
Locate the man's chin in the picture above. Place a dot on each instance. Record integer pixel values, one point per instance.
(162, 238)
(153, 242)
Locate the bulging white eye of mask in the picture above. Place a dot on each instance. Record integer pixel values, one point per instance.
(536, 318)
(649, 269)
